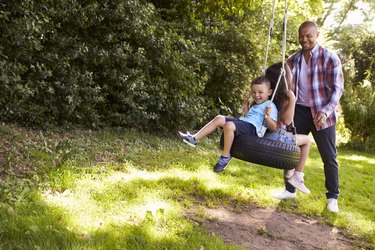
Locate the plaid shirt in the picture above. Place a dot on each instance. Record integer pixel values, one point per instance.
(325, 81)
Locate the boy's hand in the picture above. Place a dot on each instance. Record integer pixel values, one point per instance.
(245, 106)
(267, 112)
(245, 103)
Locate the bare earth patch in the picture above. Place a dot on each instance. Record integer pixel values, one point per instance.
(258, 228)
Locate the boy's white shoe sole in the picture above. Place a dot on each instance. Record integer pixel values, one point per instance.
(189, 143)
(286, 195)
(332, 205)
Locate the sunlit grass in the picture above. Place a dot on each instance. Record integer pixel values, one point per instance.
(358, 159)
(126, 190)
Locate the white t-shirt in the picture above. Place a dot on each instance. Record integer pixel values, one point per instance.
(303, 90)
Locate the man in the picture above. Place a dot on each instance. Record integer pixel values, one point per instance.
(318, 83)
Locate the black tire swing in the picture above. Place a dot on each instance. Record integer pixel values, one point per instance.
(260, 150)
(263, 151)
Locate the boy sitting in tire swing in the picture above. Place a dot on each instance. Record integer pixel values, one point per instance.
(249, 124)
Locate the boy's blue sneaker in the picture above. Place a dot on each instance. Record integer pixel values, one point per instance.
(222, 163)
(188, 138)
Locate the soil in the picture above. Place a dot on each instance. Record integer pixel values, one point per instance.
(267, 228)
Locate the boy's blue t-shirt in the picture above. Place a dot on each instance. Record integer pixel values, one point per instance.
(255, 115)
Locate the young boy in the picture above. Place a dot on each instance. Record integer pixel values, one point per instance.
(251, 123)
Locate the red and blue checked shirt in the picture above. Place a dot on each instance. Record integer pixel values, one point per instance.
(325, 81)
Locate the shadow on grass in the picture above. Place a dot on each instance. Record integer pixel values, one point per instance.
(35, 224)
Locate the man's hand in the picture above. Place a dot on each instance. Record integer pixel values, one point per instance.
(320, 119)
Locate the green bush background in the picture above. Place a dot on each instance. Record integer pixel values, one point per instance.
(155, 65)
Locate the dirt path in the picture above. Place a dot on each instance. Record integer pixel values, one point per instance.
(268, 228)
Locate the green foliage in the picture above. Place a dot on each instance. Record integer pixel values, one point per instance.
(358, 101)
(101, 63)
(152, 65)
(355, 45)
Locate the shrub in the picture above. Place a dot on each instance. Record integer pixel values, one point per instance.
(359, 97)
(152, 65)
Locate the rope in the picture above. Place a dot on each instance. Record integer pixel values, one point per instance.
(283, 49)
(270, 28)
(282, 71)
(283, 61)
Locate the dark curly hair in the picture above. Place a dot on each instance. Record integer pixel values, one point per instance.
(272, 73)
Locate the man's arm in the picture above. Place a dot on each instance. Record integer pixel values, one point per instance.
(335, 79)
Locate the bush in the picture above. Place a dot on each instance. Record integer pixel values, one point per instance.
(94, 64)
(152, 65)
(358, 102)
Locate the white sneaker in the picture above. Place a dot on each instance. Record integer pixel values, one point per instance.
(289, 173)
(297, 182)
(333, 205)
(285, 195)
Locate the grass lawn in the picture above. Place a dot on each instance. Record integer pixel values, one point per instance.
(113, 189)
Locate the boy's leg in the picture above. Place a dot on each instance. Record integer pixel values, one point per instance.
(229, 132)
(217, 122)
(225, 158)
(192, 140)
